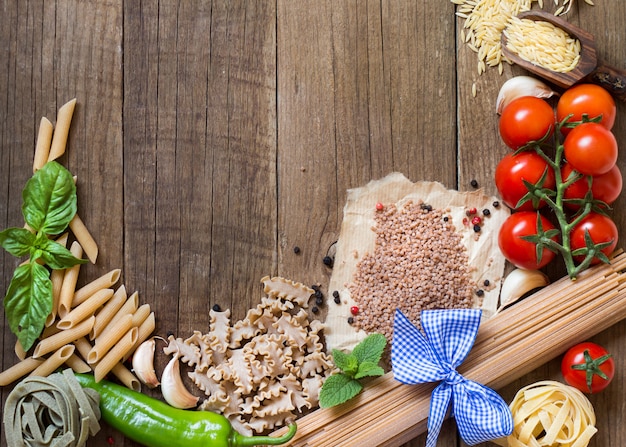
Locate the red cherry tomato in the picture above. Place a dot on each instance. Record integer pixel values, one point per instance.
(518, 251)
(525, 119)
(591, 149)
(588, 99)
(601, 229)
(606, 187)
(511, 172)
(588, 367)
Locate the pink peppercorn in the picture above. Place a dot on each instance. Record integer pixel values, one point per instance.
(354, 310)
(476, 220)
(380, 206)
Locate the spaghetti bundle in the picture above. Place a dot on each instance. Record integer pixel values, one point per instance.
(509, 345)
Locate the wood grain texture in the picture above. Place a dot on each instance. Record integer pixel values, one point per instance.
(212, 138)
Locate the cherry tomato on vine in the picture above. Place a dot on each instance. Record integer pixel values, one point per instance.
(588, 367)
(588, 99)
(525, 119)
(520, 252)
(601, 229)
(511, 172)
(606, 187)
(591, 149)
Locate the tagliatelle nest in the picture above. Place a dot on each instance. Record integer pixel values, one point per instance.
(263, 369)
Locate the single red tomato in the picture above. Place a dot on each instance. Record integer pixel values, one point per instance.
(588, 99)
(606, 187)
(601, 229)
(518, 251)
(525, 119)
(588, 367)
(511, 172)
(591, 149)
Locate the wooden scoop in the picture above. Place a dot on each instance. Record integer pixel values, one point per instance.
(587, 70)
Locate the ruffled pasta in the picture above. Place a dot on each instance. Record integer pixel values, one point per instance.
(264, 369)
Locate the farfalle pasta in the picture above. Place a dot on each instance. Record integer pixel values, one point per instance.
(264, 369)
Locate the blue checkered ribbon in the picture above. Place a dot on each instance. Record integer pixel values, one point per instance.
(481, 414)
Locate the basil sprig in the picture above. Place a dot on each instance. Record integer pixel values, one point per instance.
(49, 204)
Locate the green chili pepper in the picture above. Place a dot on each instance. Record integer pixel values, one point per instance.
(154, 423)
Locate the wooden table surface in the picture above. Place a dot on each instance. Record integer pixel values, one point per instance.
(211, 138)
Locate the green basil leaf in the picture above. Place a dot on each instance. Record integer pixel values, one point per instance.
(56, 256)
(49, 199)
(17, 241)
(28, 302)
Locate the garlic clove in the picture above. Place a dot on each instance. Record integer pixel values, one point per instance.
(521, 86)
(173, 389)
(518, 283)
(143, 363)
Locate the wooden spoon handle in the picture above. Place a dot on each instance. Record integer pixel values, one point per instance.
(611, 79)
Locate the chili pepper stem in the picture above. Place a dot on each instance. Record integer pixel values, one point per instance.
(238, 440)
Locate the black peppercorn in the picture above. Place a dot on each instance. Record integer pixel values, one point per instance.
(319, 300)
(474, 184)
(296, 250)
(496, 204)
(350, 320)
(486, 212)
(217, 308)
(480, 292)
(328, 261)
(314, 309)
(486, 283)
(476, 228)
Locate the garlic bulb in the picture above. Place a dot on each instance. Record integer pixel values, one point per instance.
(143, 363)
(518, 283)
(521, 86)
(173, 389)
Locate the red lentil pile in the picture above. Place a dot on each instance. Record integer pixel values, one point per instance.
(419, 262)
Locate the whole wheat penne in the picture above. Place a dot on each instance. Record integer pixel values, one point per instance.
(105, 281)
(19, 370)
(86, 309)
(125, 376)
(85, 238)
(115, 354)
(104, 343)
(42, 146)
(66, 295)
(83, 347)
(55, 341)
(53, 362)
(104, 316)
(77, 364)
(61, 130)
(49, 331)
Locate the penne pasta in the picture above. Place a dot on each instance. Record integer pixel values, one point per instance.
(86, 309)
(77, 364)
(61, 130)
(83, 347)
(52, 363)
(104, 316)
(140, 315)
(84, 237)
(42, 146)
(125, 376)
(57, 282)
(66, 295)
(145, 331)
(19, 351)
(103, 282)
(55, 341)
(19, 370)
(104, 343)
(129, 307)
(117, 353)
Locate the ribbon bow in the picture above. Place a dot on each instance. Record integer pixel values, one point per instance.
(481, 414)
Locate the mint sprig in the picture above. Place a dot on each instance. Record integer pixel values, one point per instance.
(361, 362)
(49, 204)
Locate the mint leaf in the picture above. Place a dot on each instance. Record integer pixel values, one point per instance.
(28, 302)
(56, 256)
(338, 389)
(370, 349)
(368, 369)
(17, 241)
(49, 199)
(345, 362)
